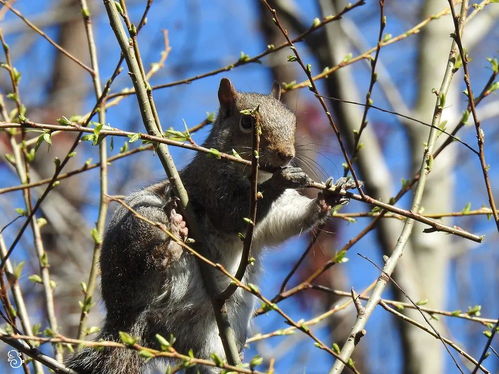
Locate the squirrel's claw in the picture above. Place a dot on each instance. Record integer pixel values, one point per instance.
(333, 198)
(344, 184)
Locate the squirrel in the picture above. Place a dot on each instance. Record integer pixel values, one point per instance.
(150, 285)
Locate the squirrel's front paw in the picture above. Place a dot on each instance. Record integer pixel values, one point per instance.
(174, 250)
(291, 177)
(332, 198)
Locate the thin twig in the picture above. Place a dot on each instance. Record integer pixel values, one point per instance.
(248, 237)
(22, 168)
(16, 341)
(315, 237)
(103, 202)
(480, 140)
(368, 102)
(451, 136)
(424, 328)
(436, 226)
(462, 122)
(46, 37)
(79, 170)
(479, 132)
(313, 87)
(392, 261)
(314, 321)
(403, 305)
(488, 345)
(464, 213)
(42, 256)
(105, 131)
(17, 292)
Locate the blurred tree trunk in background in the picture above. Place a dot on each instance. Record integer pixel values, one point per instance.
(430, 254)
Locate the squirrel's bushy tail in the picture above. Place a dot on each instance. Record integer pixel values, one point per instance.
(105, 360)
(85, 362)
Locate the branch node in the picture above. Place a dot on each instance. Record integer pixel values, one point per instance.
(356, 301)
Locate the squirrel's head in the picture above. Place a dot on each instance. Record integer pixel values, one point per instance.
(234, 129)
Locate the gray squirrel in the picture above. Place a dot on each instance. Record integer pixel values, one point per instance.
(151, 286)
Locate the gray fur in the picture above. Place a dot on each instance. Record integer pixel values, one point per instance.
(151, 286)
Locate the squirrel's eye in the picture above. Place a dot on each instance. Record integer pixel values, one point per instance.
(246, 123)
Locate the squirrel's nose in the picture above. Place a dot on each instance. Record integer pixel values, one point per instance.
(285, 157)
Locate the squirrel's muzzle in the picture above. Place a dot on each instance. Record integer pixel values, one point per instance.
(279, 157)
(285, 157)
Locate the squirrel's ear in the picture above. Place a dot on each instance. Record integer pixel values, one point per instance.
(276, 91)
(226, 93)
